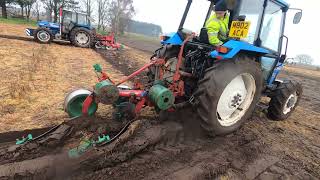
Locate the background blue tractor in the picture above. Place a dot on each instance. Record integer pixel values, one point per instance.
(72, 26)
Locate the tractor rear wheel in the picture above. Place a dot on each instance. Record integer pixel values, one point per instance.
(227, 94)
(43, 35)
(82, 37)
(284, 99)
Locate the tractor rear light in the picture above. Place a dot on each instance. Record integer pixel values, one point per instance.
(219, 57)
(222, 49)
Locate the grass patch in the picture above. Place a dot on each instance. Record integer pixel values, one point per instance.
(18, 21)
(102, 32)
(140, 37)
(134, 37)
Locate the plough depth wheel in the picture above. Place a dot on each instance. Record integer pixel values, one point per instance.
(74, 101)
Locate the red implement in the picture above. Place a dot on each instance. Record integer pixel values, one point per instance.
(107, 42)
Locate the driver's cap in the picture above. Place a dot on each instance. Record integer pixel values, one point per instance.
(221, 6)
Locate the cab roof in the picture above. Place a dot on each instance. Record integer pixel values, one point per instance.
(72, 11)
(283, 2)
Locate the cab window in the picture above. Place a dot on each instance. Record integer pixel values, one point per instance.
(252, 9)
(196, 15)
(67, 17)
(272, 26)
(82, 19)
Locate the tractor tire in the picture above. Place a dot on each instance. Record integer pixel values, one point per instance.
(284, 100)
(82, 37)
(43, 36)
(227, 95)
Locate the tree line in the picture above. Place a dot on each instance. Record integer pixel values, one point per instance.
(110, 13)
(114, 15)
(148, 29)
(24, 4)
(51, 6)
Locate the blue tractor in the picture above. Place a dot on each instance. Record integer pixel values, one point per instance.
(73, 27)
(226, 82)
(222, 83)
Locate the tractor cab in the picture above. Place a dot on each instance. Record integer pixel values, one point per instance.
(71, 19)
(255, 26)
(265, 20)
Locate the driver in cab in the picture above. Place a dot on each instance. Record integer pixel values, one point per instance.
(217, 24)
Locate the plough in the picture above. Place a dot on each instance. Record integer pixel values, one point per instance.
(107, 42)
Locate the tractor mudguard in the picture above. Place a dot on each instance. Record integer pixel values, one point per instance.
(173, 39)
(54, 28)
(83, 26)
(235, 47)
(49, 25)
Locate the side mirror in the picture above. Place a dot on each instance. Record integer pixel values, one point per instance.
(282, 58)
(297, 18)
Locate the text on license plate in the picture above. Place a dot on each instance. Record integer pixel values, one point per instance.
(239, 29)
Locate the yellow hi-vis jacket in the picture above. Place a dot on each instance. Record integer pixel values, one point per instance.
(217, 29)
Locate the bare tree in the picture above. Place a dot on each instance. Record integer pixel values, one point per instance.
(48, 5)
(304, 59)
(55, 8)
(120, 12)
(3, 9)
(54, 5)
(3, 4)
(88, 5)
(37, 7)
(21, 3)
(28, 5)
(102, 12)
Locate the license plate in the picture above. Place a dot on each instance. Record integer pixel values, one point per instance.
(239, 29)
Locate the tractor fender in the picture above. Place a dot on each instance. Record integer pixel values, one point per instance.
(238, 46)
(54, 28)
(49, 25)
(173, 39)
(83, 26)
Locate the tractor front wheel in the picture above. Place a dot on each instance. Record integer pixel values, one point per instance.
(82, 37)
(43, 35)
(284, 100)
(227, 94)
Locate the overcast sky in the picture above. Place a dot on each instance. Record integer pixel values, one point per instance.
(303, 38)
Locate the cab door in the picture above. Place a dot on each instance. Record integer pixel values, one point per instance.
(271, 38)
(68, 20)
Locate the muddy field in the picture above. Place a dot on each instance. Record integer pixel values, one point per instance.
(152, 148)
